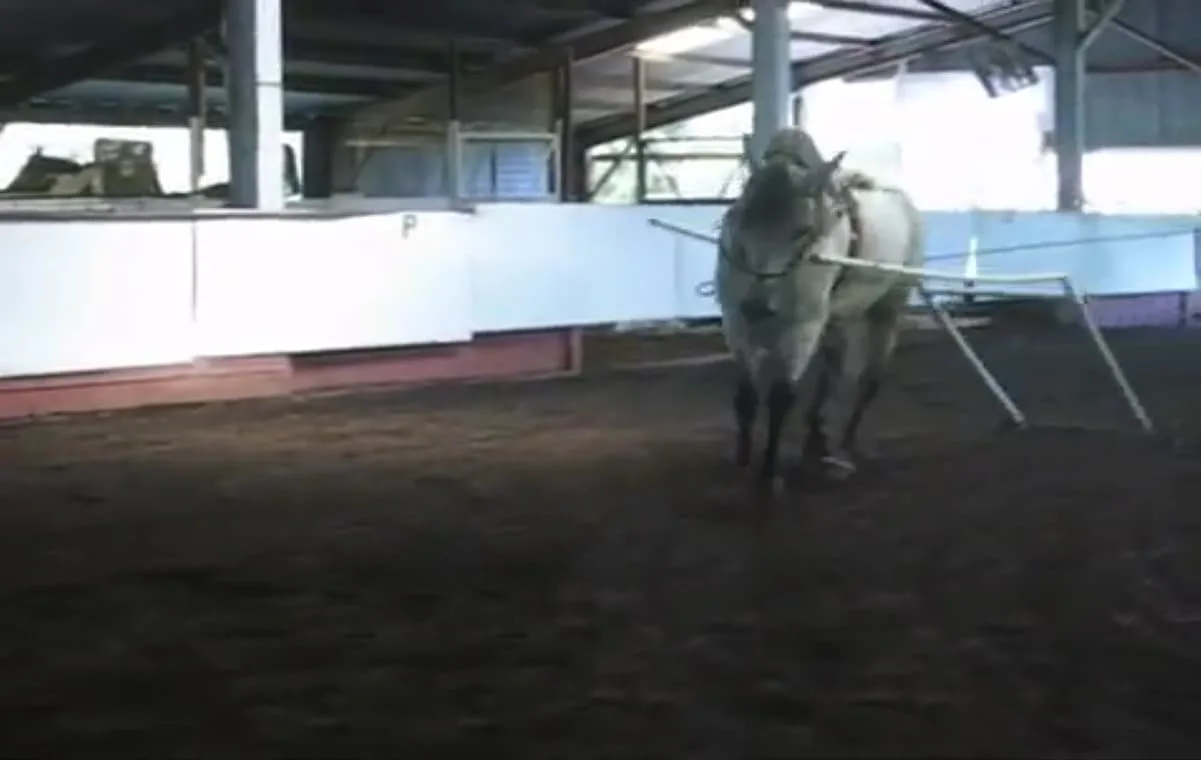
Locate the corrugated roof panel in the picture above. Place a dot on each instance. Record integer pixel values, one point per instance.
(723, 51)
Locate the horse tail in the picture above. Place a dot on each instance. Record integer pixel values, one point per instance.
(768, 199)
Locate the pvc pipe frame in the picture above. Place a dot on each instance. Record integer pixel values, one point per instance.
(990, 381)
(683, 231)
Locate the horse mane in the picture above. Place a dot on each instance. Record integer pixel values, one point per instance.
(796, 145)
(768, 199)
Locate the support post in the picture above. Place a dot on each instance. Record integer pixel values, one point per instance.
(565, 118)
(579, 163)
(197, 110)
(640, 167)
(1069, 27)
(771, 76)
(254, 85)
(320, 146)
(454, 137)
(454, 160)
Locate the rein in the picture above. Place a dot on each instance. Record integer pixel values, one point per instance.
(801, 241)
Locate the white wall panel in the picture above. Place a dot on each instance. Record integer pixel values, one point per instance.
(269, 285)
(553, 265)
(86, 295)
(81, 295)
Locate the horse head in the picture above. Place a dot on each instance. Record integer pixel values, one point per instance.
(789, 203)
(795, 145)
(785, 209)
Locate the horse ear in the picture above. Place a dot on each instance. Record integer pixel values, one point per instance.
(825, 172)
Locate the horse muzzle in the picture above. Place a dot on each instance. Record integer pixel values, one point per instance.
(755, 310)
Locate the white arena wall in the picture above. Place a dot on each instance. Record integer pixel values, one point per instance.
(82, 294)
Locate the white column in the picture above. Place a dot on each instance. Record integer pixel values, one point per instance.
(254, 86)
(771, 75)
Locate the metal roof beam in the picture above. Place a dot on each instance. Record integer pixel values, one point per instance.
(1186, 61)
(136, 43)
(1099, 21)
(641, 27)
(886, 52)
(214, 77)
(587, 81)
(120, 115)
(311, 29)
(439, 17)
(74, 112)
(969, 22)
(825, 38)
(429, 61)
(878, 9)
(561, 9)
(705, 59)
(400, 68)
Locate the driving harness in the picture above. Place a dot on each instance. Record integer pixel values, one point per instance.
(854, 249)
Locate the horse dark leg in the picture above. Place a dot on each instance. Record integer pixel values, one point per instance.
(883, 326)
(817, 443)
(746, 404)
(780, 399)
(869, 388)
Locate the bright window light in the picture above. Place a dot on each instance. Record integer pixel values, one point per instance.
(683, 40)
(796, 12)
(701, 35)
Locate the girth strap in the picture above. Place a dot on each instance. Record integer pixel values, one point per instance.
(855, 248)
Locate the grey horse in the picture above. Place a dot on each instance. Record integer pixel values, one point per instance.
(780, 304)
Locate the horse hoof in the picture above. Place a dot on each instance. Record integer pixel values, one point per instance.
(1009, 425)
(838, 468)
(770, 487)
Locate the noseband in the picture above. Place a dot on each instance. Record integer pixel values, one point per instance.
(801, 240)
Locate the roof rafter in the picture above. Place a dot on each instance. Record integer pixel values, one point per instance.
(333, 85)
(885, 52)
(103, 55)
(610, 37)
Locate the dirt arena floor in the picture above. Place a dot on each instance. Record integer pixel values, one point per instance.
(573, 569)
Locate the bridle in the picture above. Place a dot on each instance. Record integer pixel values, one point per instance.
(801, 240)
